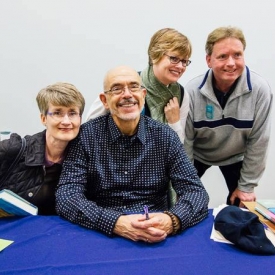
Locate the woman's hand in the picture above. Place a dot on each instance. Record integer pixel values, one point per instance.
(172, 111)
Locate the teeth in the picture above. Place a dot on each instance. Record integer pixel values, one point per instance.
(128, 105)
(175, 72)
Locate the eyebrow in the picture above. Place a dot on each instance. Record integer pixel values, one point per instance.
(127, 83)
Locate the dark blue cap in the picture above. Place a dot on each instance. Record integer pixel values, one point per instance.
(244, 229)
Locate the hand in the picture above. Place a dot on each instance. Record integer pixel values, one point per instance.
(243, 196)
(157, 220)
(137, 228)
(172, 111)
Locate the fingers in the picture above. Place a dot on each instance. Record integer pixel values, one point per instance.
(172, 103)
(137, 228)
(153, 237)
(242, 196)
(172, 111)
(232, 198)
(144, 224)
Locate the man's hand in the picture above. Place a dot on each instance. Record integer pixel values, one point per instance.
(157, 220)
(172, 111)
(137, 228)
(242, 196)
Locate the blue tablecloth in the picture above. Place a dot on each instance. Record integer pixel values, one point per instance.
(52, 245)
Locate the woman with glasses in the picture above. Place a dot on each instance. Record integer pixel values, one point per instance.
(169, 52)
(37, 172)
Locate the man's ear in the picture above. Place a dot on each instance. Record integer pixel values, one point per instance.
(103, 99)
(144, 92)
(208, 59)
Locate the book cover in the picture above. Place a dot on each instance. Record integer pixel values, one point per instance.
(268, 203)
(265, 212)
(251, 205)
(13, 205)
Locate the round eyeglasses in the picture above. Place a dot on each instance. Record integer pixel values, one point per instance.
(176, 60)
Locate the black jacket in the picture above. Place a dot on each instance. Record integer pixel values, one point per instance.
(30, 178)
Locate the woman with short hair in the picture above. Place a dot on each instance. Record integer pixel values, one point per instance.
(37, 172)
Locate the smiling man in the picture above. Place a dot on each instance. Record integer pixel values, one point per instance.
(121, 163)
(169, 53)
(229, 119)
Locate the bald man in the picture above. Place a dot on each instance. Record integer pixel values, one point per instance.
(120, 165)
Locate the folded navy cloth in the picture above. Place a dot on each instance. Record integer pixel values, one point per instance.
(244, 229)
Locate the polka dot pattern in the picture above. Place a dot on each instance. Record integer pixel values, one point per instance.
(107, 174)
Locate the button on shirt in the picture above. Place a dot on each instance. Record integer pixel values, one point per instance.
(107, 174)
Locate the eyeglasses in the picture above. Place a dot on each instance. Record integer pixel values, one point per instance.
(176, 60)
(58, 115)
(117, 90)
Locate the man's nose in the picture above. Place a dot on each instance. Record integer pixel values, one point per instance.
(230, 60)
(127, 92)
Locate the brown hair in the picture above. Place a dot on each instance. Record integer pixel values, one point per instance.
(60, 93)
(168, 40)
(222, 33)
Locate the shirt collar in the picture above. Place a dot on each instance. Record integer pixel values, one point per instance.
(115, 132)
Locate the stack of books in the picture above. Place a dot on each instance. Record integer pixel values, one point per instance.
(263, 212)
(266, 208)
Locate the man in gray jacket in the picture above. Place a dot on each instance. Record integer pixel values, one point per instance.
(229, 119)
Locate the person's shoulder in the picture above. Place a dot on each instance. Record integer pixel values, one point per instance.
(257, 78)
(97, 109)
(36, 136)
(258, 82)
(11, 145)
(194, 82)
(36, 139)
(152, 122)
(94, 125)
(155, 125)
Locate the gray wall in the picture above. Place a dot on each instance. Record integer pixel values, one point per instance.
(44, 41)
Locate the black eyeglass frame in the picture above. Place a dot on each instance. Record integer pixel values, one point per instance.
(176, 60)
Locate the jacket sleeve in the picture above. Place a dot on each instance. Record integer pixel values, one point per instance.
(256, 151)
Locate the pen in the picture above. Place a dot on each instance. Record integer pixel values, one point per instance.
(146, 212)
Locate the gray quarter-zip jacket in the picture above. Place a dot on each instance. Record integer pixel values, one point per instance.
(239, 132)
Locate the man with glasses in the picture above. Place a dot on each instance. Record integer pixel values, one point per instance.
(229, 119)
(121, 163)
(168, 57)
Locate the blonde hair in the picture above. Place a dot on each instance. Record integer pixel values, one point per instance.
(222, 33)
(168, 40)
(60, 93)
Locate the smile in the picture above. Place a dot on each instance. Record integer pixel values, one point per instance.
(127, 104)
(175, 72)
(230, 71)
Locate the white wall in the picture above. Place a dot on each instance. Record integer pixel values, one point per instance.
(44, 41)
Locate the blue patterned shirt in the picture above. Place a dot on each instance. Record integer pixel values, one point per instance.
(107, 174)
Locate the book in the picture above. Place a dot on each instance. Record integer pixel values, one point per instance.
(12, 204)
(265, 212)
(268, 203)
(251, 205)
